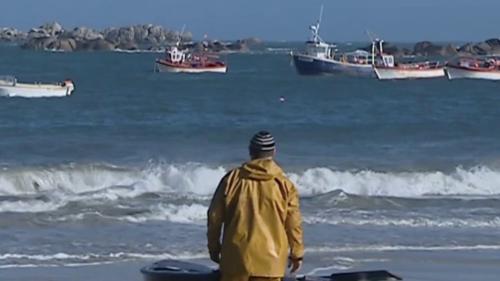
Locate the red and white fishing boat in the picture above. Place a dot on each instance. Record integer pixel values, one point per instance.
(474, 68)
(177, 60)
(390, 70)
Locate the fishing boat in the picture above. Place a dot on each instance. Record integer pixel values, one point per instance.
(390, 70)
(177, 60)
(320, 57)
(474, 68)
(174, 270)
(10, 87)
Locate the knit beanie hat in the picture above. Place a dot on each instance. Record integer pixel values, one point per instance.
(262, 141)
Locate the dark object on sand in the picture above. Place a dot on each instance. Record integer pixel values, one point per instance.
(174, 270)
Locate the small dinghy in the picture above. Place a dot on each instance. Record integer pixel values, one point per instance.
(10, 87)
(417, 70)
(174, 270)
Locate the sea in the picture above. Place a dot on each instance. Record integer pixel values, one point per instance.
(395, 175)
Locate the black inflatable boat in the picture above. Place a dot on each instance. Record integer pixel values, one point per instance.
(174, 270)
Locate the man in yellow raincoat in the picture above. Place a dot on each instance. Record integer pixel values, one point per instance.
(257, 208)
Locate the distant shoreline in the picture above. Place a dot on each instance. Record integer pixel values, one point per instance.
(154, 38)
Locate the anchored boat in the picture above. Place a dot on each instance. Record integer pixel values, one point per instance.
(10, 87)
(174, 270)
(391, 70)
(177, 60)
(474, 68)
(320, 57)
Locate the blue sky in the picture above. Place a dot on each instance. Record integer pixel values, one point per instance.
(343, 20)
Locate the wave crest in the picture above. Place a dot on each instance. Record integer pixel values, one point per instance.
(198, 180)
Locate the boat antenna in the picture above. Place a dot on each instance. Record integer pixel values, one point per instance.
(179, 36)
(374, 40)
(320, 16)
(315, 28)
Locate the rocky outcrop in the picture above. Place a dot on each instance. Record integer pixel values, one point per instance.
(429, 49)
(83, 34)
(8, 34)
(52, 36)
(98, 44)
(426, 48)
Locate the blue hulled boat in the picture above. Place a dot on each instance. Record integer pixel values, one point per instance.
(320, 57)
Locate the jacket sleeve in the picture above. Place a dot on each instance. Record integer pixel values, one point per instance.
(215, 218)
(293, 224)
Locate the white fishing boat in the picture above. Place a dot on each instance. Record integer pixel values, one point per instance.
(392, 71)
(474, 68)
(10, 87)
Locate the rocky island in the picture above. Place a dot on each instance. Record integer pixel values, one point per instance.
(147, 37)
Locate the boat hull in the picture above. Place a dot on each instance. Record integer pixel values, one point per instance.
(307, 65)
(161, 66)
(174, 270)
(453, 72)
(392, 73)
(35, 91)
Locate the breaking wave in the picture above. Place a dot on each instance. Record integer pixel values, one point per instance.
(47, 189)
(112, 182)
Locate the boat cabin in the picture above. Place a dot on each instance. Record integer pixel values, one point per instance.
(175, 55)
(7, 80)
(320, 50)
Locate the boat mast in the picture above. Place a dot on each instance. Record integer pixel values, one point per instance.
(179, 36)
(315, 28)
(375, 40)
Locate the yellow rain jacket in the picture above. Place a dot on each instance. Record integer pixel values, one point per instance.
(258, 207)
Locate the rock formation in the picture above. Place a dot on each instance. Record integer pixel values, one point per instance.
(8, 34)
(53, 36)
(426, 48)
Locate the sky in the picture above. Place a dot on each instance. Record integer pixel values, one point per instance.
(273, 20)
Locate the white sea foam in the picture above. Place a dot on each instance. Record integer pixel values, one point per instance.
(387, 248)
(188, 178)
(435, 222)
(194, 213)
(340, 263)
(17, 260)
(64, 184)
(186, 213)
(476, 181)
(197, 214)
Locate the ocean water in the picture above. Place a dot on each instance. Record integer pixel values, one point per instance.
(402, 175)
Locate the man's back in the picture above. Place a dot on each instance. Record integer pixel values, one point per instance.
(259, 208)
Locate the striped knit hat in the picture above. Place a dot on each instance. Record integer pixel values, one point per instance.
(262, 141)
